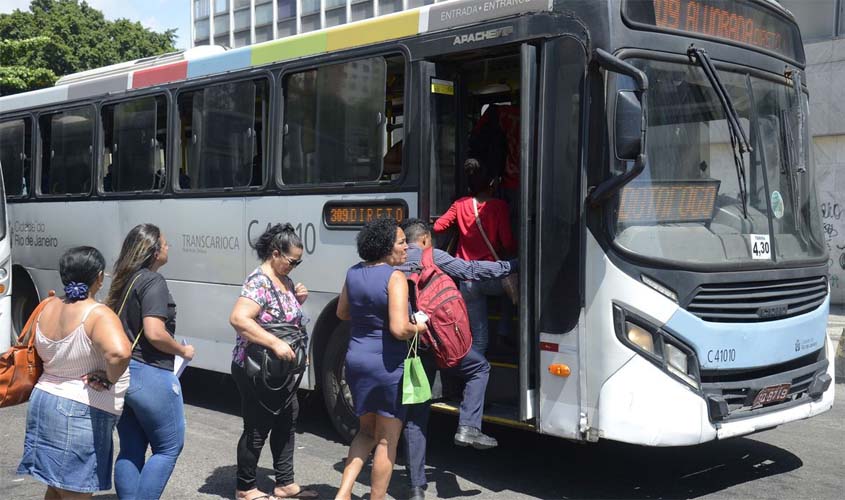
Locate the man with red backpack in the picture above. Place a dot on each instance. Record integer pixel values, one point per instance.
(472, 368)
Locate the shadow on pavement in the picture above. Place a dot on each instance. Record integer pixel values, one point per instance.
(548, 467)
(525, 462)
(221, 482)
(217, 392)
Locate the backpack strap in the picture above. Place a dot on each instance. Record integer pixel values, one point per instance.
(429, 268)
(481, 229)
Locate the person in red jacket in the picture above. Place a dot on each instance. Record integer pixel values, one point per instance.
(480, 208)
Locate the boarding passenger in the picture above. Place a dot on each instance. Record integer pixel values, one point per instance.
(473, 369)
(154, 416)
(268, 296)
(494, 221)
(375, 299)
(79, 396)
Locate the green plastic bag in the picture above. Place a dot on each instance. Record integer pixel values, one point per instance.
(415, 386)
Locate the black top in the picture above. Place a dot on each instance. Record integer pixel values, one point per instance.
(149, 297)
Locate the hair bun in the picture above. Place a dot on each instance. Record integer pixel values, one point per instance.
(287, 227)
(471, 166)
(76, 291)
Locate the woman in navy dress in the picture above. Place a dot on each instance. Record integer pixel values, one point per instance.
(375, 300)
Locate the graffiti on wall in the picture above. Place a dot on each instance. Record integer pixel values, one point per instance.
(833, 224)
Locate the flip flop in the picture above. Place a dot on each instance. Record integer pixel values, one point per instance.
(303, 493)
(266, 496)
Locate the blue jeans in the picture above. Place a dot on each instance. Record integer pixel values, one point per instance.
(475, 295)
(153, 416)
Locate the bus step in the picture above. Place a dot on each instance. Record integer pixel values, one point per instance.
(501, 414)
(503, 386)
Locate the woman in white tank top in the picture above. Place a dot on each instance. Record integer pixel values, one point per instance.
(77, 400)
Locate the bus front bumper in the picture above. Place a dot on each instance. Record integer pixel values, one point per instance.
(640, 404)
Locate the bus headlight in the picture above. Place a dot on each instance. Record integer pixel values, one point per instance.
(640, 337)
(658, 346)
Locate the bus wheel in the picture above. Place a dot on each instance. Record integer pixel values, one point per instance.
(336, 393)
(24, 300)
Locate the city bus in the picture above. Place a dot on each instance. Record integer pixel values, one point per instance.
(6, 332)
(673, 271)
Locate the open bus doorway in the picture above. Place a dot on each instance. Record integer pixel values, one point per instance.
(476, 103)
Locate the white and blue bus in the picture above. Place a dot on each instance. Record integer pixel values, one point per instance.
(674, 284)
(6, 333)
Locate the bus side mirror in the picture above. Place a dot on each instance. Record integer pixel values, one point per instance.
(629, 130)
(628, 122)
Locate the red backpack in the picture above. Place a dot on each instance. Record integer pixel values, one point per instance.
(434, 293)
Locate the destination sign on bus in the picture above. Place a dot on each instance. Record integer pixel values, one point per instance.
(740, 22)
(354, 214)
(668, 201)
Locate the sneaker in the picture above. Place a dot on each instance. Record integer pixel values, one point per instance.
(472, 436)
(416, 493)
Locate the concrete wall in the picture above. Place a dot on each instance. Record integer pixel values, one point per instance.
(826, 79)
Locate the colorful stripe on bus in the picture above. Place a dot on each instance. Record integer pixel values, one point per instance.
(426, 19)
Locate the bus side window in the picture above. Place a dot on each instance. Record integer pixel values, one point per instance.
(132, 144)
(67, 151)
(15, 157)
(223, 135)
(344, 122)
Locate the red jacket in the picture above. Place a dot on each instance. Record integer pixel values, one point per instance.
(496, 222)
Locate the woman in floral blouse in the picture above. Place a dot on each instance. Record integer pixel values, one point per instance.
(268, 296)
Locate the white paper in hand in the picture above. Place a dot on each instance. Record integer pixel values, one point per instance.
(179, 363)
(420, 317)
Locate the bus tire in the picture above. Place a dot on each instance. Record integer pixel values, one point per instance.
(336, 394)
(24, 300)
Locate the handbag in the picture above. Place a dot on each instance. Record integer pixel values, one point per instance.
(262, 364)
(21, 366)
(265, 368)
(510, 283)
(415, 386)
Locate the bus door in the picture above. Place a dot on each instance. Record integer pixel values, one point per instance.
(465, 90)
(552, 192)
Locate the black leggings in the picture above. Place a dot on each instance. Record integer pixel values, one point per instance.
(258, 423)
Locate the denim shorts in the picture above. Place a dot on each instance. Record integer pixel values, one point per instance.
(68, 445)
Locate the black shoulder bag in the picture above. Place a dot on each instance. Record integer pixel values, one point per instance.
(268, 371)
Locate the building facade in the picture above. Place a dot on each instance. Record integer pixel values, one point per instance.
(235, 23)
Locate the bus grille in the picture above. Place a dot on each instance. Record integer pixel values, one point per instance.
(759, 300)
(739, 387)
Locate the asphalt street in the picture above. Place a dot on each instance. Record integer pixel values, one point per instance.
(802, 460)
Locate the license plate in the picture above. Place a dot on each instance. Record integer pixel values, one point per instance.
(772, 394)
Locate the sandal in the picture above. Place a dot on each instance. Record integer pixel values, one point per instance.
(303, 493)
(262, 496)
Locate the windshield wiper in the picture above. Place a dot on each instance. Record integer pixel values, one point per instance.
(800, 165)
(793, 145)
(739, 141)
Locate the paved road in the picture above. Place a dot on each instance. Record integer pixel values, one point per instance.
(802, 460)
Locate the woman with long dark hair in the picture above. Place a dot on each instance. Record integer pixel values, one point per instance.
(79, 396)
(268, 296)
(154, 416)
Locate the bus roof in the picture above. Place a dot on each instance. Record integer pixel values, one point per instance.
(149, 72)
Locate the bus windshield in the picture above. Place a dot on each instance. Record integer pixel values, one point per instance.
(687, 205)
